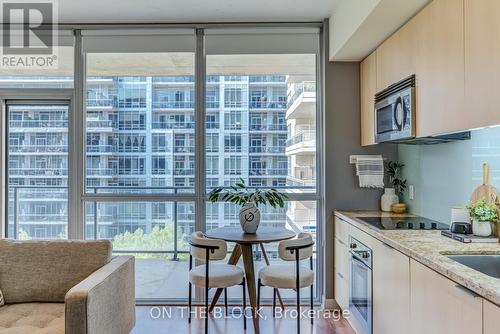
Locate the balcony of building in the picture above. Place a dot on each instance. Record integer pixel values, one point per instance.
(101, 103)
(261, 104)
(266, 150)
(267, 171)
(267, 80)
(46, 149)
(56, 125)
(302, 101)
(100, 125)
(303, 142)
(173, 105)
(169, 124)
(271, 127)
(302, 176)
(100, 148)
(38, 171)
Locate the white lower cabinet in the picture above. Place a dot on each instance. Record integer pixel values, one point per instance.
(391, 290)
(491, 318)
(341, 274)
(440, 306)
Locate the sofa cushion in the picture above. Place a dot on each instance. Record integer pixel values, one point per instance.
(44, 271)
(32, 318)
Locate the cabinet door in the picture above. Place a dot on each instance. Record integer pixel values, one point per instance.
(368, 80)
(438, 305)
(439, 61)
(341, 274)
(391, 290)
(491, 318)
(482, 62)
(395, 57)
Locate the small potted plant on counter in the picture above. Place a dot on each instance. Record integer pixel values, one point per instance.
(249, 200)
(483, 215)
(392, 194)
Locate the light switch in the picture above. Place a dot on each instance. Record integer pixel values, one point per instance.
(411, 192)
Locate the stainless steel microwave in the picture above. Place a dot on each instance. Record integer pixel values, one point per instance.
(395, 112)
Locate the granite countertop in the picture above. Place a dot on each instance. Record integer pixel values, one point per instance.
(430, 248)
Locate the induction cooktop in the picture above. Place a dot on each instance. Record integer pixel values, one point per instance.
(404, 223)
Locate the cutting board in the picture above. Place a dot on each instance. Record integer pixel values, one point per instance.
(485, 191)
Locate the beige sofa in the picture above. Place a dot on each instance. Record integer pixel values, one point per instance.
(72, 287)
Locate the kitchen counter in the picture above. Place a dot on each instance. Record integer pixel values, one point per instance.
(430, 248)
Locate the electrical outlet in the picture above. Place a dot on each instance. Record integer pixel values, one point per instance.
(411, 192)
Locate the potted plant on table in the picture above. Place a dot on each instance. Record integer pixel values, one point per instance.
(249, 201)
(392, 194)
(483, 215)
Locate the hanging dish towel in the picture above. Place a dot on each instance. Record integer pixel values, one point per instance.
(370, 171)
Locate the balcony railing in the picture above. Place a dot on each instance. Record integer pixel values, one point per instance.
(37, 171)
(27, 148)
(173, 104)
(268, 104)
(268, 171)
(299, 89)
(39, 124)
(100, 123)
(172, 125)
(268, 127)
(100, 171)
(184, 171)
(104, 102)
(302, 136)
(266, 149)
(100, 148)
(184, 149)
(173, 79)
(267, 78)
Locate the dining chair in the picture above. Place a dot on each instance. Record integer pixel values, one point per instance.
(281, 276)
(216, 275)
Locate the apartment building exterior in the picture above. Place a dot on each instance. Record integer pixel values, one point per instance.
(140, 138)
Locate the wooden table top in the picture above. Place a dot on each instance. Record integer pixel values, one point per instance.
(264, 234)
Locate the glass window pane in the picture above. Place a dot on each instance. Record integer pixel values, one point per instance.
(267, 107)
(140, 123)
(37, 155)
(156, 233)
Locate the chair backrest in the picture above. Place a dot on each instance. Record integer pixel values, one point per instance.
(302, 239)
(200, 253)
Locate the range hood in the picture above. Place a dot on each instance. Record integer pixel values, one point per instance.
(440, 139)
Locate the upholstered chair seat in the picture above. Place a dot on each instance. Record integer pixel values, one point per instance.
(220, 275)
(282, 276)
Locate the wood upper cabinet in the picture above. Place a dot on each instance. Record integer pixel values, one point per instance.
(395, 57)
(482, 61)
(391, 290)
(368, 79)
(439, 67)
(438, 305)
(491, 318)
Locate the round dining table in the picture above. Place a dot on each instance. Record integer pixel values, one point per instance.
(244, 247)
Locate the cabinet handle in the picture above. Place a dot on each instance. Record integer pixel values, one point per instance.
(467, 291)
(340, 275)
(341, 242)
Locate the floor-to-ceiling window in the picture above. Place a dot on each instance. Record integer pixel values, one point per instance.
(267, 83)
(140, 184)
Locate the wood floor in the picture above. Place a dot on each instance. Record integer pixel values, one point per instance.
(156, 320)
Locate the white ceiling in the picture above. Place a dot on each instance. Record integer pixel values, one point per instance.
(171, 11)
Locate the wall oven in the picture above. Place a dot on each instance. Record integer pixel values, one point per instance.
(395, 112)
(360, 294)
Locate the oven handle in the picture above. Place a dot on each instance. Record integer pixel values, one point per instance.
(356, 258)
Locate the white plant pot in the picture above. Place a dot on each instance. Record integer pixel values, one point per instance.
(249, 218)
(481, 229)
(388, 198)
